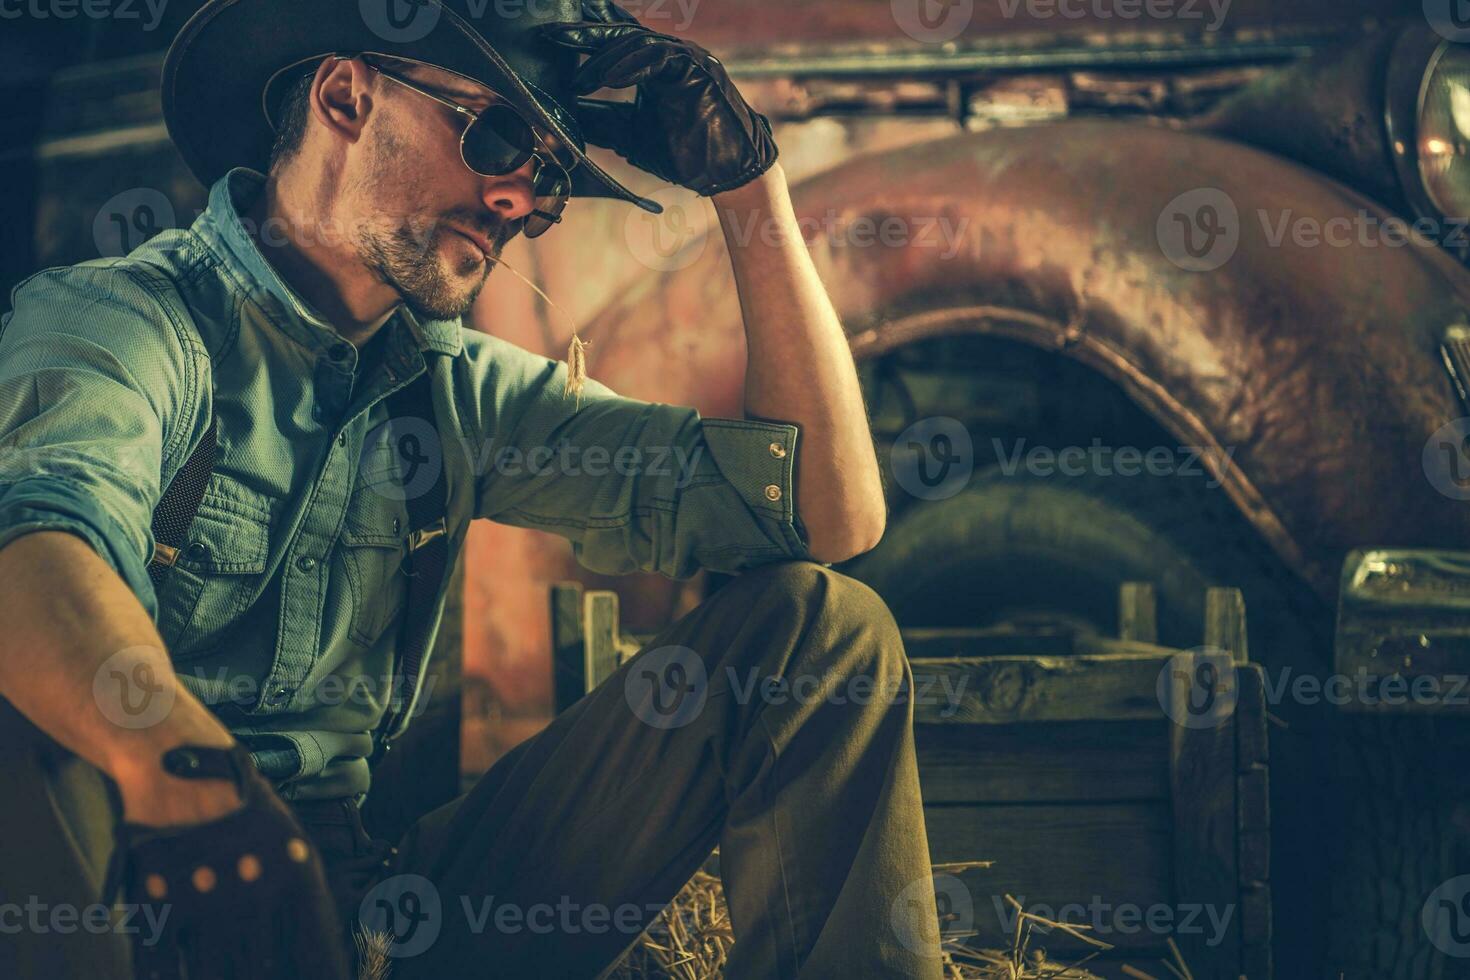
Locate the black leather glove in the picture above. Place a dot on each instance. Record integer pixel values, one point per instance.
(238, 898)
(687, 124)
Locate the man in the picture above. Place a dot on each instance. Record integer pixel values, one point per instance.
(173, 671)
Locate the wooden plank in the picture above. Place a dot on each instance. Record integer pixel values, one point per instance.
(1251, 726)
(600, 635)
(1253, 823)
(1050, 857)
(1063, 762)
(1255, 927)
(1005, 690)
(1138, 618)
(1225, 622)
(568, 665)
(963, 642)
(1203, 779)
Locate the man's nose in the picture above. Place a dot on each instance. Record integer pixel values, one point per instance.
(510, 195)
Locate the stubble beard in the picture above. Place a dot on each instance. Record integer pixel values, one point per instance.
(414, 264)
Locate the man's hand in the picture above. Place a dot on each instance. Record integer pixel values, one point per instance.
(688, 123)
(238, 897)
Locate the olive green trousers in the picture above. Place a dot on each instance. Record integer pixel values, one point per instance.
(774, 720)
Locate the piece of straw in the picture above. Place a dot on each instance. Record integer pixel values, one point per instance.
(576, 350)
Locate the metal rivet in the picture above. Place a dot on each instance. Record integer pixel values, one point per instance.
(248, 867)
(198, 551)
(778, 450)
(773, 492)
(203, 879)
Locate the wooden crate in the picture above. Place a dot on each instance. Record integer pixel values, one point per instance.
(1061, 764)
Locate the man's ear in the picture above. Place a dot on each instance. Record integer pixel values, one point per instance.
(342, 96)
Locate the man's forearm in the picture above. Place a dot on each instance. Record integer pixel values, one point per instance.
(800, 368)
(67, 615)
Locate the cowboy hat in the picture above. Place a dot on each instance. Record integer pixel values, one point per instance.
(230, 65)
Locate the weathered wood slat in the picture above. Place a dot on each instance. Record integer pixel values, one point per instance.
(1066, 762)
(1138, 618)
(568, 663)
(1049, 856)
(1004, 690)
(600, 636)
(1225, 622)
(1202, 772)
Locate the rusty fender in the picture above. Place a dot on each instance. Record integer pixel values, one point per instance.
(1308, 376)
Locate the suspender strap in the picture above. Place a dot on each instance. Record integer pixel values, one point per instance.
(427, 542)
(411, 412)
(175, 510)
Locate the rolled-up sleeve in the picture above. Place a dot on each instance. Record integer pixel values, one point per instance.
(92, 381)
(634, 485)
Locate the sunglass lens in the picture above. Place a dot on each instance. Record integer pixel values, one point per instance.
(498, 142)
(553, 186)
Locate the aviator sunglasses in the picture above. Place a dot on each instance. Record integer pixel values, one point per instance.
(498, 140)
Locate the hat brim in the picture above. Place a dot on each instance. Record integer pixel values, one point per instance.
(219, 69)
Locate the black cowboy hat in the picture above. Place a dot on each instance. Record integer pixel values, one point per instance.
(231, 63)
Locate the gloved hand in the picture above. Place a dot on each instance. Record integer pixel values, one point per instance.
(238, 898)
(687, 124)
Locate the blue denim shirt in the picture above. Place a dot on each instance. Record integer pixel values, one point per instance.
(283, 609)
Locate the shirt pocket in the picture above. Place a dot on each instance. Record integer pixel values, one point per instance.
(220, 569)
(372, 557)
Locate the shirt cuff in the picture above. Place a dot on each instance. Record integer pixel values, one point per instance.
(759, 461)
(51, 505)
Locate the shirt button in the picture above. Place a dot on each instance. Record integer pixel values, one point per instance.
(198, 551)
(396, 524)
(341, 438)
(773, 492)
(778, 450)
(316, 412)
(281, 695)
(306, 563)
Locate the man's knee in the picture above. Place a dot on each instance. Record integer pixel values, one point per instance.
(852, 628)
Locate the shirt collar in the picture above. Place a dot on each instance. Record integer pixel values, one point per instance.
(234, 194)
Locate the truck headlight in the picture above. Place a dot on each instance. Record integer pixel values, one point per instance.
(1428, 117)
(1444, 130)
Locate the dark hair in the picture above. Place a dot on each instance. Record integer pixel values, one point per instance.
(291, 118)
